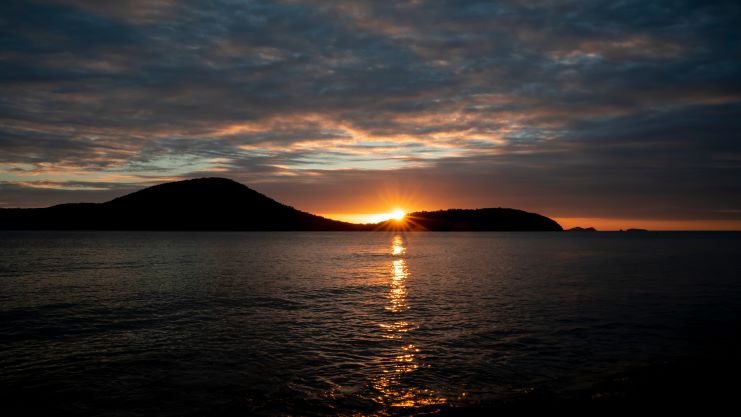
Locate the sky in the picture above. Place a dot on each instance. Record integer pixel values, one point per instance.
(613, 114)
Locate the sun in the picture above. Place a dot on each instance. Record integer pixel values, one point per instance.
(398, 214)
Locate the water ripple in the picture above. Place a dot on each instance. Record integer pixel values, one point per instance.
(347, 324)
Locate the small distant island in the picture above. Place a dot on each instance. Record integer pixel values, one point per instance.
(224, 204)
(582, 229)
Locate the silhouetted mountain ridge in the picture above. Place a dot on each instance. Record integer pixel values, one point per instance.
(197, 204)
(483, 219)
(223, 204)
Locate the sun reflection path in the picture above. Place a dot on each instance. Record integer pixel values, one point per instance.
(395, 386)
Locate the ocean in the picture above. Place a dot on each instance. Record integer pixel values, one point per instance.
(366, 323)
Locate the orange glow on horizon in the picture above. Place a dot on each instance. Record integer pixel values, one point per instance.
(394, 199)
(376, 203)
(397, 214)
(614, 224)
(601, 224)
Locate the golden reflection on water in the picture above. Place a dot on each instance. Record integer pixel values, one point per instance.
(390, 385)
(398, 294)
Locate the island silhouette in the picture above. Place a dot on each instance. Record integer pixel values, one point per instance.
(224, 204)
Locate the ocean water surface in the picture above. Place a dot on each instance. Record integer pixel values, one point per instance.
(369, 323)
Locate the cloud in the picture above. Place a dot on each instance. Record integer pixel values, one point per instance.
(582, 108)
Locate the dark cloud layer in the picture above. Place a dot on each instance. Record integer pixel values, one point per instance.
(624, 109)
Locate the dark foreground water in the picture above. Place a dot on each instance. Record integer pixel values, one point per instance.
(118, 324)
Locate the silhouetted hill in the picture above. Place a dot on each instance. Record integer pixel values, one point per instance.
(485, 219)
(582, 229)
(198, 204)
(223, 204)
